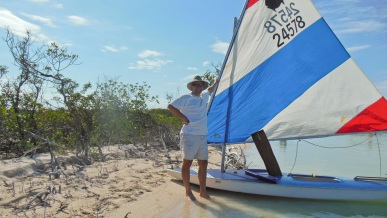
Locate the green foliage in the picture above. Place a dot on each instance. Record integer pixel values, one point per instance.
(119, 113)
(211, 76)
(164, 116)
(3, 70)
(112, 113)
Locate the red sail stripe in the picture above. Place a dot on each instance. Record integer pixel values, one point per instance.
(251, 3)
(373, 118)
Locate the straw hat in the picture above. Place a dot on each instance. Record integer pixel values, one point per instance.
(197, 78)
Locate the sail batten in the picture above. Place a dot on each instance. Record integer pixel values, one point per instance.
(287, 73)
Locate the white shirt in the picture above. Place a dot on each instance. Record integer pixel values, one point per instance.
(195, 109)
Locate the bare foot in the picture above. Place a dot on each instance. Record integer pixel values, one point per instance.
(205, 195)
(190, 197)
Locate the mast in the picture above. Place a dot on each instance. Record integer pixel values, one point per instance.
(237, 23)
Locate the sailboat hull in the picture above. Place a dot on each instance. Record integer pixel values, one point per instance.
(300, 186)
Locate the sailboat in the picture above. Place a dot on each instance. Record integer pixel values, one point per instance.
(287, 76)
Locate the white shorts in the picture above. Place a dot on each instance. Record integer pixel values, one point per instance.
(194, 147)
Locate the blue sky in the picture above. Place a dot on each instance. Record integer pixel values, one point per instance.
(165, 43)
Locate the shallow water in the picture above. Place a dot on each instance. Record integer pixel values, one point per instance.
(369, 158)
(227, 204)
(344, 156)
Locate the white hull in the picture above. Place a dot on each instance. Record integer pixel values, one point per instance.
(287, 186)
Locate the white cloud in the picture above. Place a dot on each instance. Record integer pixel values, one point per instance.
(206, 63)
(354, 16)
(148, 64)
(192, 68)
(58, 6)
(39, 1)
(220, 47)
(361, 26)
(77, 20)
(357, 48)
(19, 26)
(149, 53)
(113, 48)
(44, 20)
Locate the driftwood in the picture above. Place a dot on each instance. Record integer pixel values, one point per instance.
(30, 150)
(6, 184)
(55, 166)
(40, 196)
(79, 167)
(164, 145)
(56, 175)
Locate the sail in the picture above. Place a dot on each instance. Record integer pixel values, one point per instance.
(288, 74)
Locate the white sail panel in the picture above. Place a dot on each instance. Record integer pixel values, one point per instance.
(258, 21)
(322, 111)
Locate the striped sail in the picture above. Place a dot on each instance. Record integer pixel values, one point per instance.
(288, 74)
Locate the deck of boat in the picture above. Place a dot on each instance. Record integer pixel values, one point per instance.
(292, 185)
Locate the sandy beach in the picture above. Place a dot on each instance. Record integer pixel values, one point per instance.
(140, 187)
(120, 187)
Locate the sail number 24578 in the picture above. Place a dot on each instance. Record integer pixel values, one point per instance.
(285, 24)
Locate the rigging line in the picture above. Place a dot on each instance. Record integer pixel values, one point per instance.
(380, 156)
(244, 148)
(377, 140)
(337, 146)
(295, 159)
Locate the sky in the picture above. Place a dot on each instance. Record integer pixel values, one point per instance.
(166, 42)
